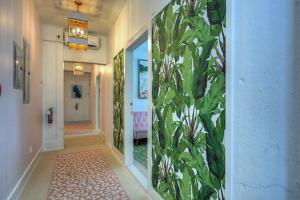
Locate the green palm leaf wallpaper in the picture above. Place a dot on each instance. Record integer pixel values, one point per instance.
(118, 101)
(188, 94)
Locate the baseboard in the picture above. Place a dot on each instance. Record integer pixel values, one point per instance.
(107, 143)
(114, 151)
(53, 145)
(24, 178)
(106, 140)
(153, 194)
(82, 134)
(118, 155)
(139, 176)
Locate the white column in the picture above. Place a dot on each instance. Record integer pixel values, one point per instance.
(262, 134)
(53, 72)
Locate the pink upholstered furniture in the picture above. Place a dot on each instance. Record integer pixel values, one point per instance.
(140, 125)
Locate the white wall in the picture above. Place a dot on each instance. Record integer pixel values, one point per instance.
(20, 124)
(90, 56)
(141, 52)
(101, 69)
(55, 33)
(83, 113)
(264, 135)
(98, 70)
(53, 77)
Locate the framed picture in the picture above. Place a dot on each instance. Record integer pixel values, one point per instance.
(76, 91)
(26, 61)
(142, 79)
(18, 66)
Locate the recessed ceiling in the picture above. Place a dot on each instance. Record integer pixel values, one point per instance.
(101, 13)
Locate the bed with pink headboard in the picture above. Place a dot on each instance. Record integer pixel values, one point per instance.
(140, 125)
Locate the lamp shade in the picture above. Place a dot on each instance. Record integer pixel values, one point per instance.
(78, 70)
(78, 31)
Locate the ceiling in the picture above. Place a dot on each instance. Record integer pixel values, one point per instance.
(101, 13)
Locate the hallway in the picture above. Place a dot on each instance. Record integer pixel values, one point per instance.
(38, 184)
(175, 99)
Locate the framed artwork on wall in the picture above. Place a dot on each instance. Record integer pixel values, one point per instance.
(142, 79)
(118, 100)
(76, 91)
(18, 66)
(26, 78)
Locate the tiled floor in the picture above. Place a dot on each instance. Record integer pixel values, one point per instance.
(37, 186)
(79, 128)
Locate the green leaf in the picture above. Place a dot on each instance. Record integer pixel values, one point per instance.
(187, 71)
(185, 185)
(205, 193)
(176, 137)
(200, 75)
(213, 12)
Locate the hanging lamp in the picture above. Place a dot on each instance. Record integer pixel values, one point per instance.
(78, 70)
(78, 29)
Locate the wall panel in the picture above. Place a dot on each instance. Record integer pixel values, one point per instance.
(188, 95)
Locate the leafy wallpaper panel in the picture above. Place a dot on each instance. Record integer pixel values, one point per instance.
(118, 101)
(188, 93)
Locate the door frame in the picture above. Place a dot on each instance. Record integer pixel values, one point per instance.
(140, 37)
(98, 102)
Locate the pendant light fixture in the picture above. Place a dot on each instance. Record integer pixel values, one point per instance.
(78, 29)
(78, 70)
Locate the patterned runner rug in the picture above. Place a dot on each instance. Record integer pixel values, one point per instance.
(84, 176)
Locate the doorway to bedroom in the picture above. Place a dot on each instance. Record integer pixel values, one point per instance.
(140, 106)
(136, 108)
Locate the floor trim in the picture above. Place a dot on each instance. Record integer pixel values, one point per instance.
(115, 151)
(153, 194)
(24, 178)
(82, 134)
(138, 175)
(118, 155)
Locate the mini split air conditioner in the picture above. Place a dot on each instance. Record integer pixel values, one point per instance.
(94, 41)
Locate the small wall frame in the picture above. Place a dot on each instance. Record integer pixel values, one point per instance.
(142, 79)
(26, 61)
(17, 66)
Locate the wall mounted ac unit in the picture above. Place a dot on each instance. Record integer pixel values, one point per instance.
(94, 41)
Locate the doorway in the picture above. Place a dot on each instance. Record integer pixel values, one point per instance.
(136, 108)
(79, 100)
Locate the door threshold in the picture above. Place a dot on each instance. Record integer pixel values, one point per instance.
(139, 176)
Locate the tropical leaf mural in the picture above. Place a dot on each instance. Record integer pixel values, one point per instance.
(118, 100)
(188, 93)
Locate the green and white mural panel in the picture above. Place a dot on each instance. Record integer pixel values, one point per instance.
(118, 101)
(188, 94)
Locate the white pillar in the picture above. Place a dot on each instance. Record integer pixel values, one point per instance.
(263, 134)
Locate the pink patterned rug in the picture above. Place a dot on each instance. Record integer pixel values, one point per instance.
(84, 176)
